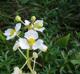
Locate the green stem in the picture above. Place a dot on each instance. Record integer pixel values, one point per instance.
(34, 64)
(24, 64)
(27, 53)
(22, 53)
(29, 62)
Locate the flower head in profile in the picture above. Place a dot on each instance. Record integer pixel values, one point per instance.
(36, 25)
(17, 71)
(12, 32)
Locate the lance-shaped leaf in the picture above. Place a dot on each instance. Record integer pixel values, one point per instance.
(2, 37)
(63, 41)
(75, 62)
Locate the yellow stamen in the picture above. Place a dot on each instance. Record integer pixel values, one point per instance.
(31, 41)
(12, 32)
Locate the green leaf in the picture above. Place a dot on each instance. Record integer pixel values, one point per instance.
(2, 37)
(75, 62)
(23, 1)
(78, 34)
(63, 41)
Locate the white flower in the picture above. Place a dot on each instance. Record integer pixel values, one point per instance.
(39, 45)
(11, 33)
(26, 22)
(27, 42)
(31, 37)
(17, 71)
(38, 25)
(30, 41)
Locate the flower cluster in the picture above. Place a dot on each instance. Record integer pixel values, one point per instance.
(30, 41)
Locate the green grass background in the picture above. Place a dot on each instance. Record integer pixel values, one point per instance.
(62, 34)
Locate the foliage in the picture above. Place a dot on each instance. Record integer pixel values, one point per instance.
(62, 17)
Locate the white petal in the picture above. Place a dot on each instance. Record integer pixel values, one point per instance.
(40, 30)
(23, 43)
(11, 37)
(8, 38)
(39, 22)
(38, 44)
(26, 22)
(16, 46)
(43, 47)
(18, 26)
(40, 41)
(7, 32)
(31, 33)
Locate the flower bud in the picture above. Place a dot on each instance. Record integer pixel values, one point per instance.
(17, 71)
(18, 18)
(44, 48)
(34, 72)
(33, 18)
(35, 55)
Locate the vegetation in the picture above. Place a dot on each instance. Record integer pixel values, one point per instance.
(62, 34)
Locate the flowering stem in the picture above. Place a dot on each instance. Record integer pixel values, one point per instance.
(22, 53)
(27, 53)
(34, 64)
(24, 64)
(29, 62)
(37, 63)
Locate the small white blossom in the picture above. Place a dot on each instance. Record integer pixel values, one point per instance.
(17, 71)
(31, 41)
(37, 25)
(11, 33)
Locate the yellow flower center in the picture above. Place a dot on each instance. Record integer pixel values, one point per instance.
(38, 25)
(31, 41)
(12, 32)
